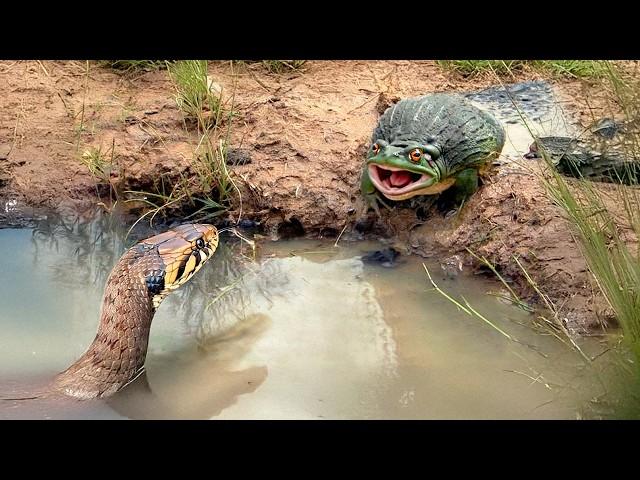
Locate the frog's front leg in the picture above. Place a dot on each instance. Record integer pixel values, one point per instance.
(466, 185)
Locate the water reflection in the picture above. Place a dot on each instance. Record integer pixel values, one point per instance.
(304, 331)
(200, 383)
(76, 257)
(89, 250)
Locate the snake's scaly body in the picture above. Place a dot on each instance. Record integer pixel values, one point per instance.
(141, 279)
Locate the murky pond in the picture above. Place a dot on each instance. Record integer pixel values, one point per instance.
(297, 330)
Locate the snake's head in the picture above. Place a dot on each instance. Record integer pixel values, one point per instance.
(176, 255)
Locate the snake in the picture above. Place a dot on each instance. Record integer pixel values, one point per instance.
(141, 279)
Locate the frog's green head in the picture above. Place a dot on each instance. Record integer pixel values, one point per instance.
(402, 170)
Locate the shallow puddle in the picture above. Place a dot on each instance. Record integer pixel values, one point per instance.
(305, 330)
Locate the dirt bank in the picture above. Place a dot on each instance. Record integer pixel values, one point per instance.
(305, 134)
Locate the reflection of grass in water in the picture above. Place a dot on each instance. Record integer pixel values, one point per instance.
(95, 246)
(548, 321)
(214, 301)
(190, 302)
(219, 299)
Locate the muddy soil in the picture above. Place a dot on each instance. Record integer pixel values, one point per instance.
(302, 137)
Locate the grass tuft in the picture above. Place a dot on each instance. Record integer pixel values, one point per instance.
(283, 66)
(128, 66)
(98, 162)
(585, 69)
(195, 95)
(568, 68)
(605, 232)
(208, 189)
(101, 163)
(200, 197)
(275, 66)
(605, 222)
(472, 68)
(615, 268)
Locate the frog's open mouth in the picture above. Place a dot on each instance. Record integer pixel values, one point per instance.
(393, 181)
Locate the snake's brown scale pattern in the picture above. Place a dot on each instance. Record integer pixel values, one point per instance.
(119, 349)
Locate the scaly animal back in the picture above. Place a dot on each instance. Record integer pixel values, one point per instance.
(464, 133)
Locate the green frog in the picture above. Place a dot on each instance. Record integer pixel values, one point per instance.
(426, 145)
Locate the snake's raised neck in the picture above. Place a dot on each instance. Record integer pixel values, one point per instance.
(141, 279)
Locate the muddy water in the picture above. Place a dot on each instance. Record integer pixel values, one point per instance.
(297, 330)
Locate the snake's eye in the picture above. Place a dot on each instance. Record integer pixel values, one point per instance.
(376, 148)
(415, 155)
(200, 243)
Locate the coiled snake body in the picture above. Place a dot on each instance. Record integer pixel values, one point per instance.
(136, 286)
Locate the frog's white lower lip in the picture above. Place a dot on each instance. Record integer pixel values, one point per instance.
(381, 178)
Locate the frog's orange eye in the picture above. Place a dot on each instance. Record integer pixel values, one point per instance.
(376, 148)
(415, 155)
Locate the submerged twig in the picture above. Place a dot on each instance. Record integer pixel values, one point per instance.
(339, 236)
